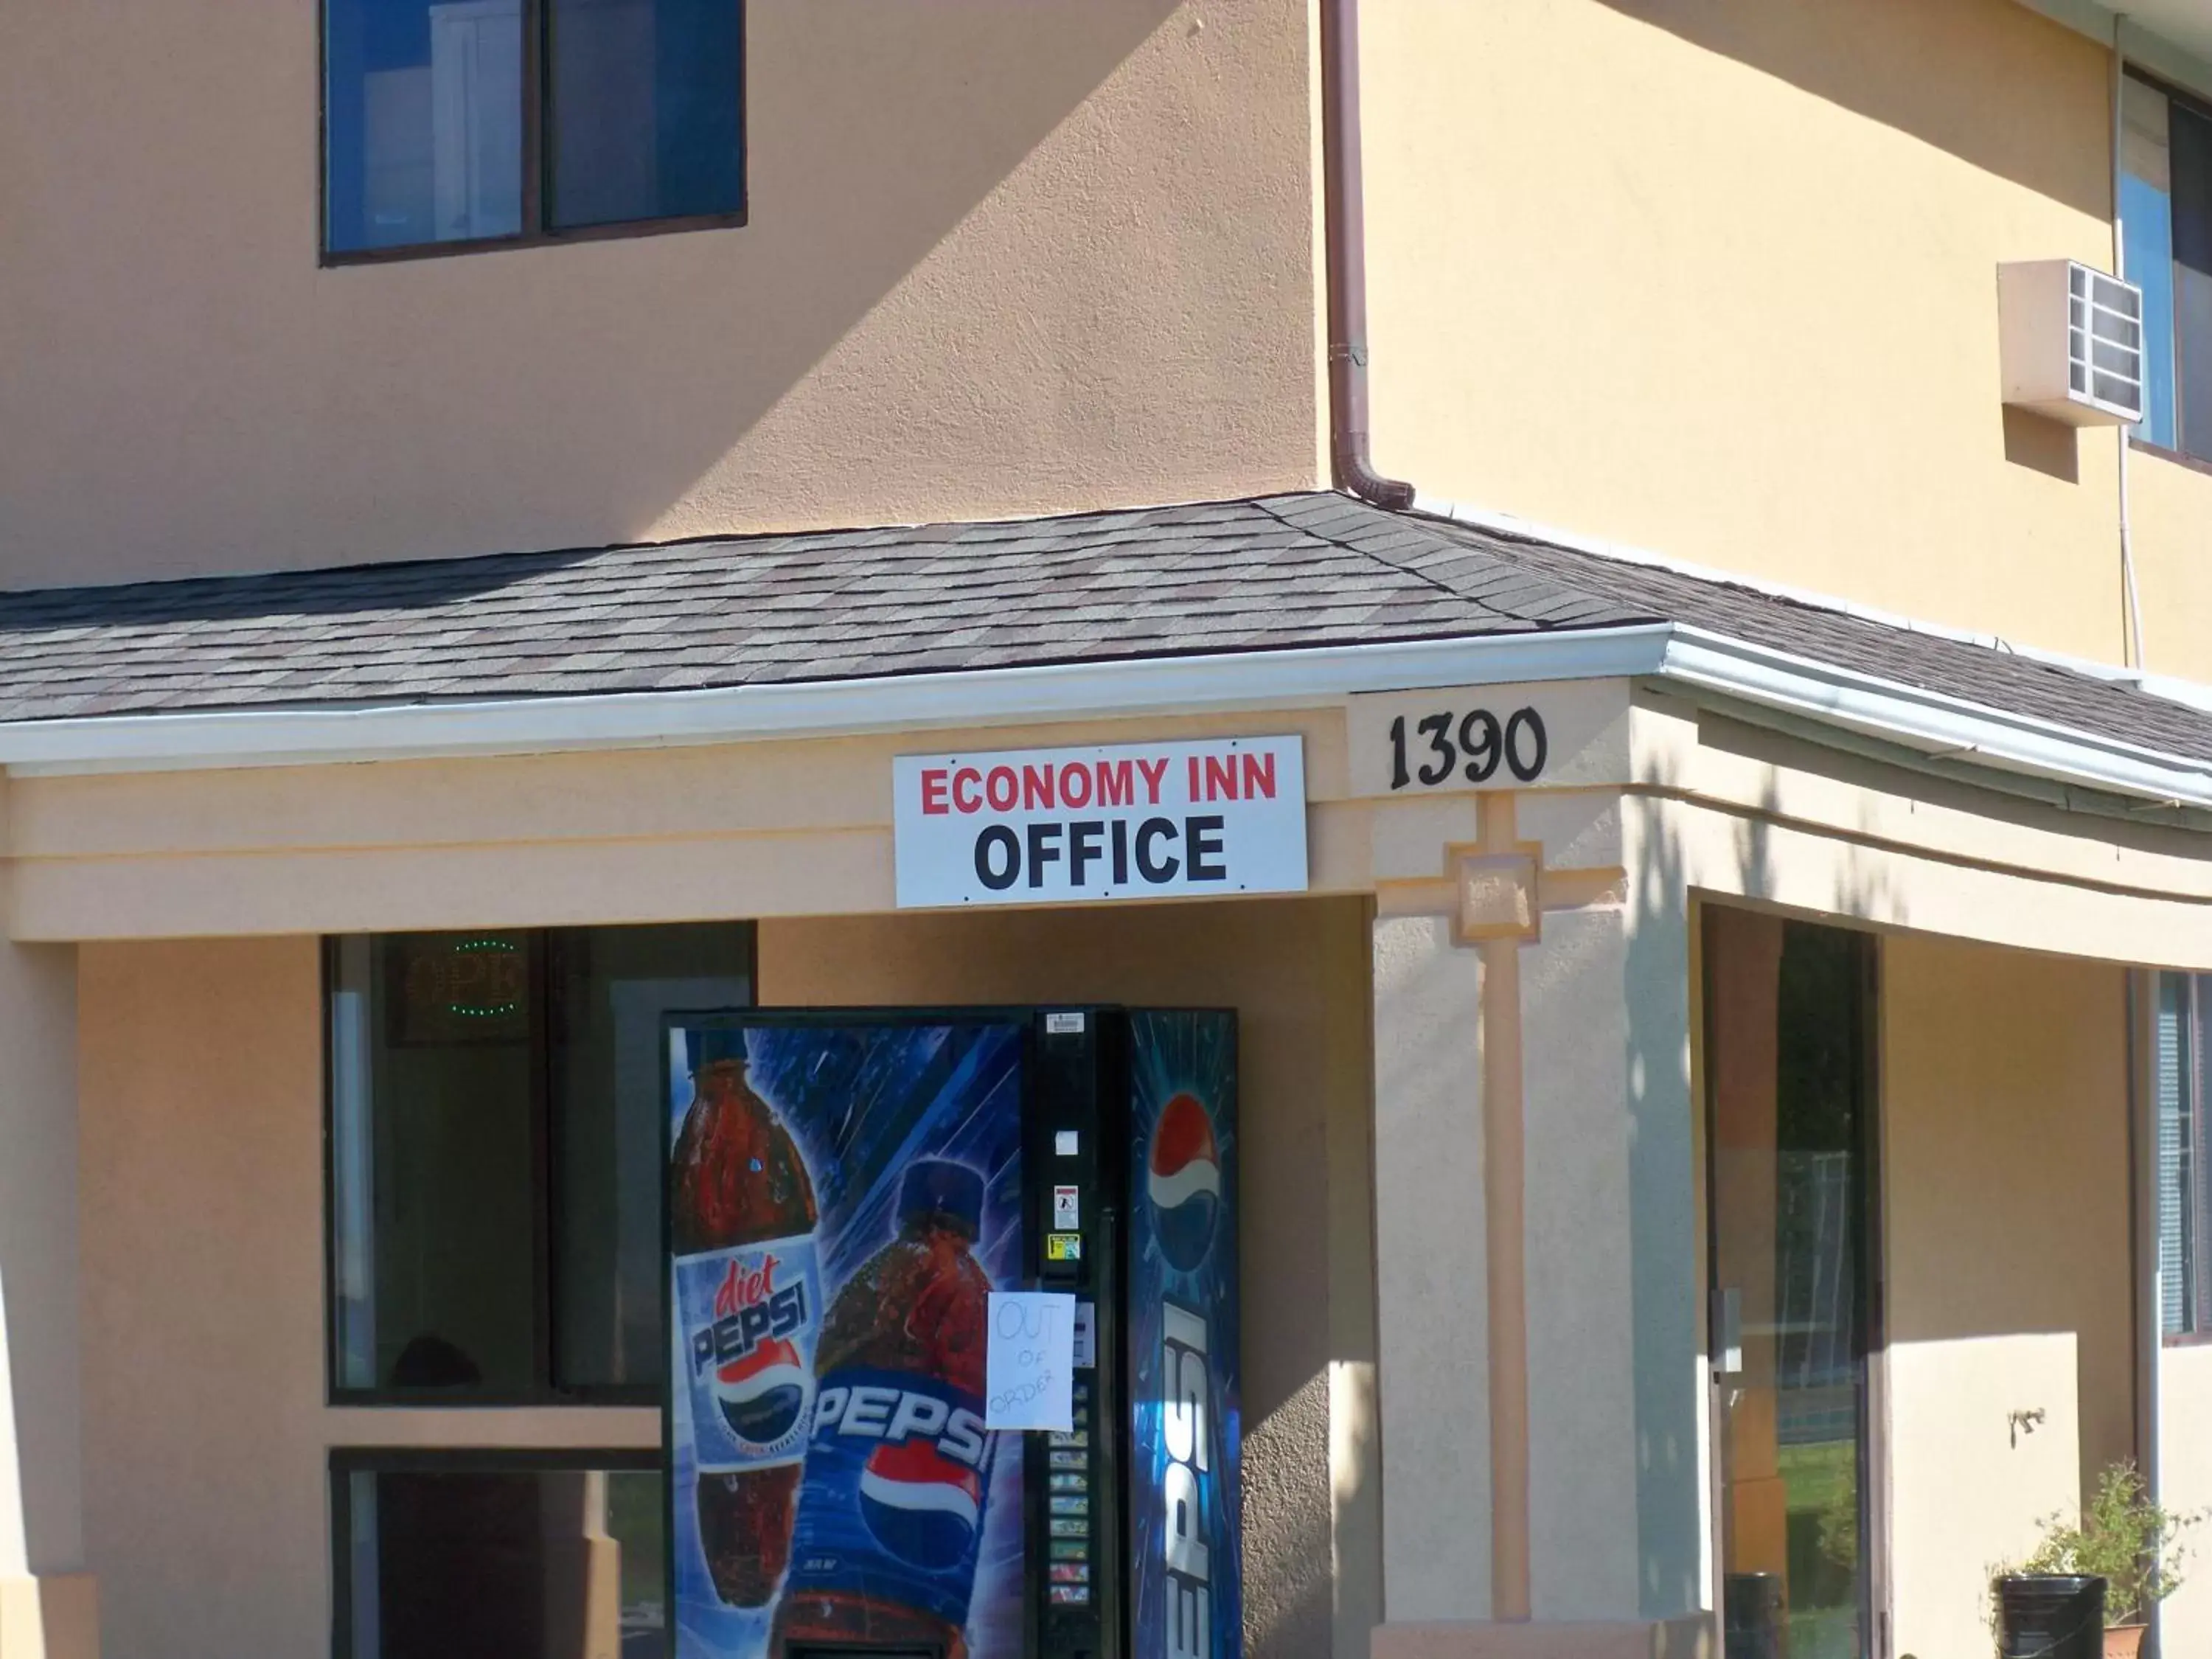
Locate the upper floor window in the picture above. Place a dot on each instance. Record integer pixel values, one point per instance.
(2166, 218)
(447, 122)
(495, 1147)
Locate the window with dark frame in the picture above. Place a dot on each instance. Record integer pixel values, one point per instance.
(495, 1151)
(456, 123)
(2166, 215)
(497, 1554)
(2181, 1096)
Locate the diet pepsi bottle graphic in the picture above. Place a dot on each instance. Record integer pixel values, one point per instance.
(741, 1227)
(892, 1513)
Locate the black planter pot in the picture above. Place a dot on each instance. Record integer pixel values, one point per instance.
(1757, 1614)
(2050, 1616)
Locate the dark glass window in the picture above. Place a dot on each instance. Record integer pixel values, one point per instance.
(495, 1155)
(2166, 207)
(466, 121)
(644, 115)
(498, 1555)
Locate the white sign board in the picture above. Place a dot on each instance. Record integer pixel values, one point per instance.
(1555, 734)
(1124, 820)
(1029, 1364)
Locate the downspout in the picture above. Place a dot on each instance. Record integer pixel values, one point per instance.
(2133, 600)
(1345, 236)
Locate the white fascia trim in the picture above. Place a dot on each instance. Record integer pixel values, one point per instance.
(1302, 677)
(1942, 726)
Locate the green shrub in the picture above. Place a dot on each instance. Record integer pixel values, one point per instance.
(2122, 1538)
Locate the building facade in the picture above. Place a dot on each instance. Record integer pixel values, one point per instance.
(506, 481)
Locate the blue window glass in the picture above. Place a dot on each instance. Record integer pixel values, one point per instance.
(2147, 221)
(422, 121)
(474, 120)
(643, 119)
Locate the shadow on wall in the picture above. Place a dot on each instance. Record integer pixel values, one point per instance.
(545, 396)
(1977, 78)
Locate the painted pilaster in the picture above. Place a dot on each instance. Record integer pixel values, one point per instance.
(47, 1607)
(46, 1602)
(1431, 1303)
(1533, 1137)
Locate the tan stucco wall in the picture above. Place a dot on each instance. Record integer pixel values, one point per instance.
(1720, 280)
(2005, 1164)
(2170, 516)
(1004, 258)
(205, 1430)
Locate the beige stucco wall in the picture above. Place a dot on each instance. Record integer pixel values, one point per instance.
(1720, 280)
(205, 1430)
(1004, 258)
(2005, 1163)
(2184, 1474)
(2169, 511)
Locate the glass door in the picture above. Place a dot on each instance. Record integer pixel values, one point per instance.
(1789, 1139)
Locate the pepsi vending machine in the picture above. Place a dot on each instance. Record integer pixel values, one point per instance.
(845, 1190)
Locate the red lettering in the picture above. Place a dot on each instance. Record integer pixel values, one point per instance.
(1037, 787)
(932, 792)
(1115, 787)
(1220, 778)
(1000, 780)
(964, 784)
(1154, 771)
(1069, 777)
(740, 1289)
(1192, 792)
(1259, 777)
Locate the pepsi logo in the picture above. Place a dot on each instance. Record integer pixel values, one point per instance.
(764, 1394)
(1183, 1180)
(920, 1504)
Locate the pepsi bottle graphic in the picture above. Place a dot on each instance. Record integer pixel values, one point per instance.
(892, 1513)
(741, 1227)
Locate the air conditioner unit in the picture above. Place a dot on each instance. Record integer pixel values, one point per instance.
(2070, 339)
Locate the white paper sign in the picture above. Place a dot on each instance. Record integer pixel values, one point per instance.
(1030, 1362)
(1122, 821)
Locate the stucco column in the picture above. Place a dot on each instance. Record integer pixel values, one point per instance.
(46, 1602)
(1535, 1238)
(1431, 1300)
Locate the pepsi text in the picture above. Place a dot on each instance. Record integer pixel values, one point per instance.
(1187, 1421)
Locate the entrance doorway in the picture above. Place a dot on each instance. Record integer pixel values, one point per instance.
(1790, 1145)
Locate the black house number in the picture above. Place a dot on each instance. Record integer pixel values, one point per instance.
(1475, 743)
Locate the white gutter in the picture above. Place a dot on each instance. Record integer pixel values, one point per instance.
(1930, 721)
(1702, 664)
(1304, 677)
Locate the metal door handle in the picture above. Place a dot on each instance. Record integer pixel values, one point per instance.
(1727, 1331)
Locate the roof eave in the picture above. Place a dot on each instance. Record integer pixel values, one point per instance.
(1026, 696)
(1702, 664)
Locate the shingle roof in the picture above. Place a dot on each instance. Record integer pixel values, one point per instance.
(1312, 569)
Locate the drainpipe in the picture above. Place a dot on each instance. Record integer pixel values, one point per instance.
(2133, 643)
(1345, 237)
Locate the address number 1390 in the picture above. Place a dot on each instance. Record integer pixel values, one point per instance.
(1473, 744)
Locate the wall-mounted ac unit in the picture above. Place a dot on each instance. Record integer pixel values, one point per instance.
(2071, 341)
